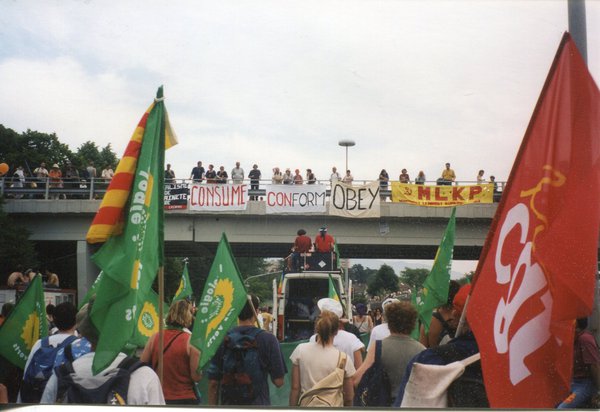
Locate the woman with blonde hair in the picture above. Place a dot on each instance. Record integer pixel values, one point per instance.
(313, 361)
(180, 359)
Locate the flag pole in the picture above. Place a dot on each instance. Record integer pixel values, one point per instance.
(161, 298)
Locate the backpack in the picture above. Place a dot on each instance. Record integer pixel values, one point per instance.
(455, 384)
(40, 369)
(374, 388)
(329, 391)
(243, 375)
(468, 390)
(113, 391)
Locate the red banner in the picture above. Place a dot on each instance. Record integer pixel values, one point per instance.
(537, 270)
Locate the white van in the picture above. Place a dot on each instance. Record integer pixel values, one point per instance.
(295, 302)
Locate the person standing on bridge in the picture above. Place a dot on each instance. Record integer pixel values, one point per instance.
(448, 176)
(254, 177)
(237, 174)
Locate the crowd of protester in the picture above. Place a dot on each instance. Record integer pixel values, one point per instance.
(69, 182)
(66, 178)
(280, 176)
(333, 353)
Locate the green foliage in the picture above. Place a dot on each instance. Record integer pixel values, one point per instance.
(261, 286)
(385, 281)
(31, 148)
(107, 158)
(414, 277)
(16, 250)
(360, 274)
(86, 153)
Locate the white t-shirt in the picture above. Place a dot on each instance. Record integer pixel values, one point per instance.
(379, 332)
(316, 362)
(346, 342)
(144, 385)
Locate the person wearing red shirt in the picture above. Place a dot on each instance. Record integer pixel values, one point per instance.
(324, 242)
(302, 244)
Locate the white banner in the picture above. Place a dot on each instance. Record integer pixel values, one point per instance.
(218, 197)
(354, 201)
(295, 199)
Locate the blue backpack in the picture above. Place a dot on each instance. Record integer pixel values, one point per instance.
(40, 369)
(374, 387)
(243, 376)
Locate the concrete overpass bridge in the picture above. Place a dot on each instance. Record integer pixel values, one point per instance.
(402, 232)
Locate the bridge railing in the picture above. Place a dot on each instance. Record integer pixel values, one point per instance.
(49, 189)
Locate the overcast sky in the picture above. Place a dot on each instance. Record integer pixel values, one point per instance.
(414, 83)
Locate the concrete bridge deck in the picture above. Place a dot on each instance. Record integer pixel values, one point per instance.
(402, 232)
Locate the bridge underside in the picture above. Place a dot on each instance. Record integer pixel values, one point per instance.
(355, 251)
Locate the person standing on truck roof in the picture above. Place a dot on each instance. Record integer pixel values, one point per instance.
(302, 244)
(324, 242)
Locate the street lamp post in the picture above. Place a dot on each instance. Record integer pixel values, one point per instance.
(346, 144)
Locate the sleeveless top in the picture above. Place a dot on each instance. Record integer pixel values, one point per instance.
(177, 382)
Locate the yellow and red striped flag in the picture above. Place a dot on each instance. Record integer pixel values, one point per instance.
(110, 216)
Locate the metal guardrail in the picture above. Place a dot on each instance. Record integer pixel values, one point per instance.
(90, 189)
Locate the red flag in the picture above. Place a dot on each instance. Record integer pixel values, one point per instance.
(537, 270)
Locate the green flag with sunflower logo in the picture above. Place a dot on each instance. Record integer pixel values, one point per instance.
(220, 303)
(185, 286)
(148, 320)
(25, 325)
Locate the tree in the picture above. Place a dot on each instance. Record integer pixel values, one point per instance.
(31, 148)
(360, 274)
(10, 152)
(108, 157)
(86, 153)
(414, 277)
(16, 250)
(385, 281)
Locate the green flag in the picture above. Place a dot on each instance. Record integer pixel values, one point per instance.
(148, 320)
(333, 293)
(222, 299)
(25, 325)
(435, 288)
(185, 286)
(130, 261)
(91, 291)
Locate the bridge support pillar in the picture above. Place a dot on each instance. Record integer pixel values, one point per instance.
(87, 271)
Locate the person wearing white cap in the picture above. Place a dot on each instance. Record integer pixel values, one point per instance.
(382, 331)
(343, 341)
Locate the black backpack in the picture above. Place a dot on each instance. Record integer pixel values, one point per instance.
(113, 390)
(40, 369)
(243, 376)
(468, 390)
(374, 388)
